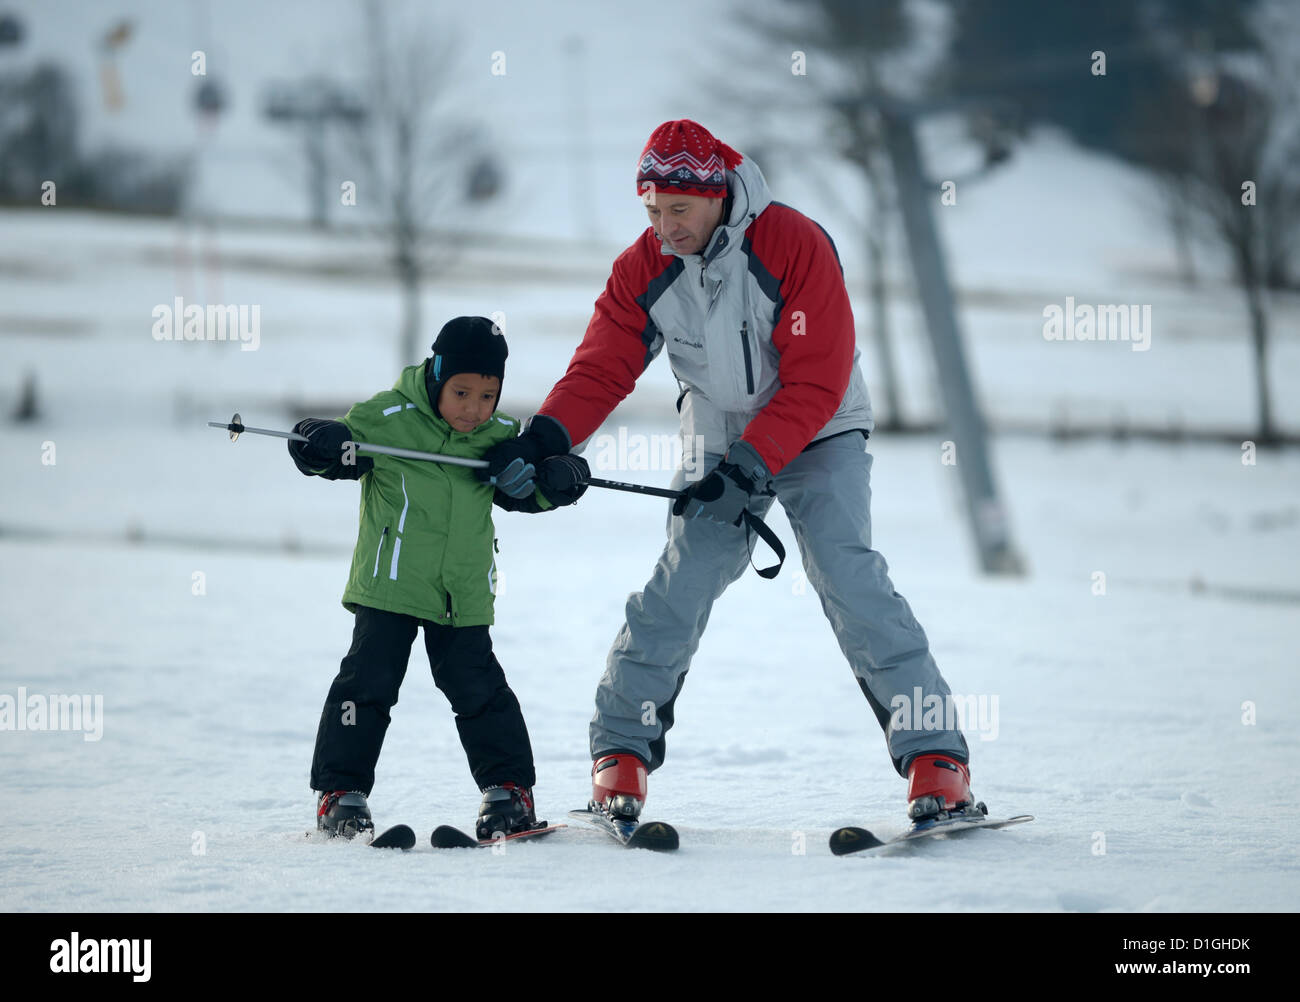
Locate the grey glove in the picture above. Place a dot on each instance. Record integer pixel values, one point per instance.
(725, 493)
(512, 464)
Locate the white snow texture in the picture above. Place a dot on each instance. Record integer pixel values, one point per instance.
(1143, 674)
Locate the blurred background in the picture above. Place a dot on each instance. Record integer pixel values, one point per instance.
(351, 173)
(1099, 523)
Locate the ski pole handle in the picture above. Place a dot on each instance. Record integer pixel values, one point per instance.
(618, 485)
(752, 523)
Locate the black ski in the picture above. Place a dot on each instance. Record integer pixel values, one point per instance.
(656, 835)
(850, 840)
(398, 837)
(447, 837)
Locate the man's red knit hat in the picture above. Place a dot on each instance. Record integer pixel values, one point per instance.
(682, 156)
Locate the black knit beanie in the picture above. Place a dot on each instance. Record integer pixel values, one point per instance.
(465, 344)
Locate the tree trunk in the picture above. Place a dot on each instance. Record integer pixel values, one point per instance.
(1259, 338)
(1180, 226)
(1248, 273)
(876, 234)
(318, 170)
(408, 275)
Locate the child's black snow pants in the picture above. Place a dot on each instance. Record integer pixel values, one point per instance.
(355, 717)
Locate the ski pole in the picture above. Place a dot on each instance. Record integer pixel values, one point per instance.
(237, 427)
(752, 522)
(432, 457)
(616, 485)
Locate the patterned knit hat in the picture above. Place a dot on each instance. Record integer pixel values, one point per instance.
(683, 156)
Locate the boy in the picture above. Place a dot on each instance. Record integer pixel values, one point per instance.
(424, 556)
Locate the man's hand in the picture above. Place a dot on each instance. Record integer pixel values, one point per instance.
(563, 479)
(512, 465)
(727, 490)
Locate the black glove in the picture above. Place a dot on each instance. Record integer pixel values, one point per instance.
(323, 455)
(512, 465)
(563, 479)
(724, 494)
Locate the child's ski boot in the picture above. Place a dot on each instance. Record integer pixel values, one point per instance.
(506, 808)
(343, 812)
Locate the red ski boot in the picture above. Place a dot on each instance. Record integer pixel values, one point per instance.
(618, 785)
(938, 787)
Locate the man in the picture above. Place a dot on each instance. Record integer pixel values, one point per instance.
(748, 298)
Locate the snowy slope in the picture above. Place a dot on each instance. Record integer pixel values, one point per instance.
(1121, 717)
(1118, 714)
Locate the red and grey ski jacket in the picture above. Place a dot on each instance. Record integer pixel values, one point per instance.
(758, 330)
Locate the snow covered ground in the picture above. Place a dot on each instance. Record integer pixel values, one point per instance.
(1148, 727)
(1119, 717)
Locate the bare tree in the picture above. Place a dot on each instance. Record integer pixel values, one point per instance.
(416, 156)
(1176, 212)
(313, 106)
(1230, 157)
(849, 45)
(872, 71)
(1251, 205)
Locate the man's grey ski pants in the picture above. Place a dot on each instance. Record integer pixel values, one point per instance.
(826, 494)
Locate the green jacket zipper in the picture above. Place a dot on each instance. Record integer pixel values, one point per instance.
(382, 536)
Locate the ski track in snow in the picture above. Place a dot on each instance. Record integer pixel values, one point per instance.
(1119, 716)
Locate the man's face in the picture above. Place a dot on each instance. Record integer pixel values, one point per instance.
(686, 222)
(467, 399)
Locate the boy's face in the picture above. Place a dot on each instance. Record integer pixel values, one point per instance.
(685, 221)
(467, 399)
